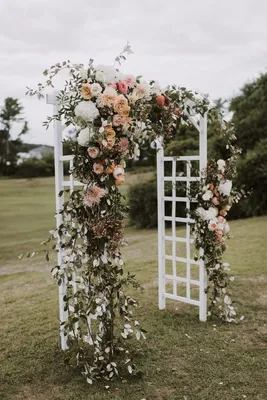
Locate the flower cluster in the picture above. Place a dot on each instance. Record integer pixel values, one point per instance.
(113, 114)
(211, 229)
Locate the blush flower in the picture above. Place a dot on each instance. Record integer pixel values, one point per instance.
(215, 201)
(160, 100)
(212, 225)
(118, 174)
(219, 234)
(93, 195)
(98, 168)
(123, 87)
(93, 151)
(123, 144)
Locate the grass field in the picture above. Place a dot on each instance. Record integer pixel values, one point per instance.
(182, 358)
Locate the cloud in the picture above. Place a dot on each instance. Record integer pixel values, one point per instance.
(213, 47)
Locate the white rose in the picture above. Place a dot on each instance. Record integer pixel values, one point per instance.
(86, 110)
(99, 76)
(84, 137)
(221, 165)
(225, 188)
(96, 89)
(207, 195)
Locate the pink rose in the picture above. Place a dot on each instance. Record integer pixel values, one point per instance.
(124, 143)
(123, 87)
(215, 201)
(221, 220)
(219, 234)
(160, 100)
(93, 152)
(212, 225)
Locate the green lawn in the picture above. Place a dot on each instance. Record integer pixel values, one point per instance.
(182, 358)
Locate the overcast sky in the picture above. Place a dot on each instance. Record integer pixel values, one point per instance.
(207, 45)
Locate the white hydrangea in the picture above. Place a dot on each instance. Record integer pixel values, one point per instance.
(84, 137)
(225, 188)
(87, 111)
(110, 73)
(206, 215)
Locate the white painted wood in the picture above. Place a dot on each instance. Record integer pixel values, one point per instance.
(200, 123)
(161, 226)
(59, 177)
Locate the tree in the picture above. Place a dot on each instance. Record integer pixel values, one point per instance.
(11, 113)
(250, 113)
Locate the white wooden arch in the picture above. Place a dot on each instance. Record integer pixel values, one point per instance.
(165, 277)
(200, 124)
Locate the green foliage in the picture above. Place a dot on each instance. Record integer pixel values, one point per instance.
(34, 167)
(252, 175)
(250, 117)
(143, 204)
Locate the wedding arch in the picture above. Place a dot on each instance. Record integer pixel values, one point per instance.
(113, 115)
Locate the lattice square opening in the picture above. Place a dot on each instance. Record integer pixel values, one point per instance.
(181, 289)
(181, 269)
(194, 292)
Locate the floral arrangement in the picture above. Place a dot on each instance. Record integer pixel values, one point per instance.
(113, 114)
(211, 229)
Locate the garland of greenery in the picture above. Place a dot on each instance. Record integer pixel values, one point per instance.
(113, 115)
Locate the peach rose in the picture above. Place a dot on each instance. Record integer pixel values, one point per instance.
(121, 106)
(123, 87)
(223, 213)
(211, 186)
(160, 100)
(86, 92)
(98, 168)
(93, 151)
(110, 169)
(109, 132)
(120, 179)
